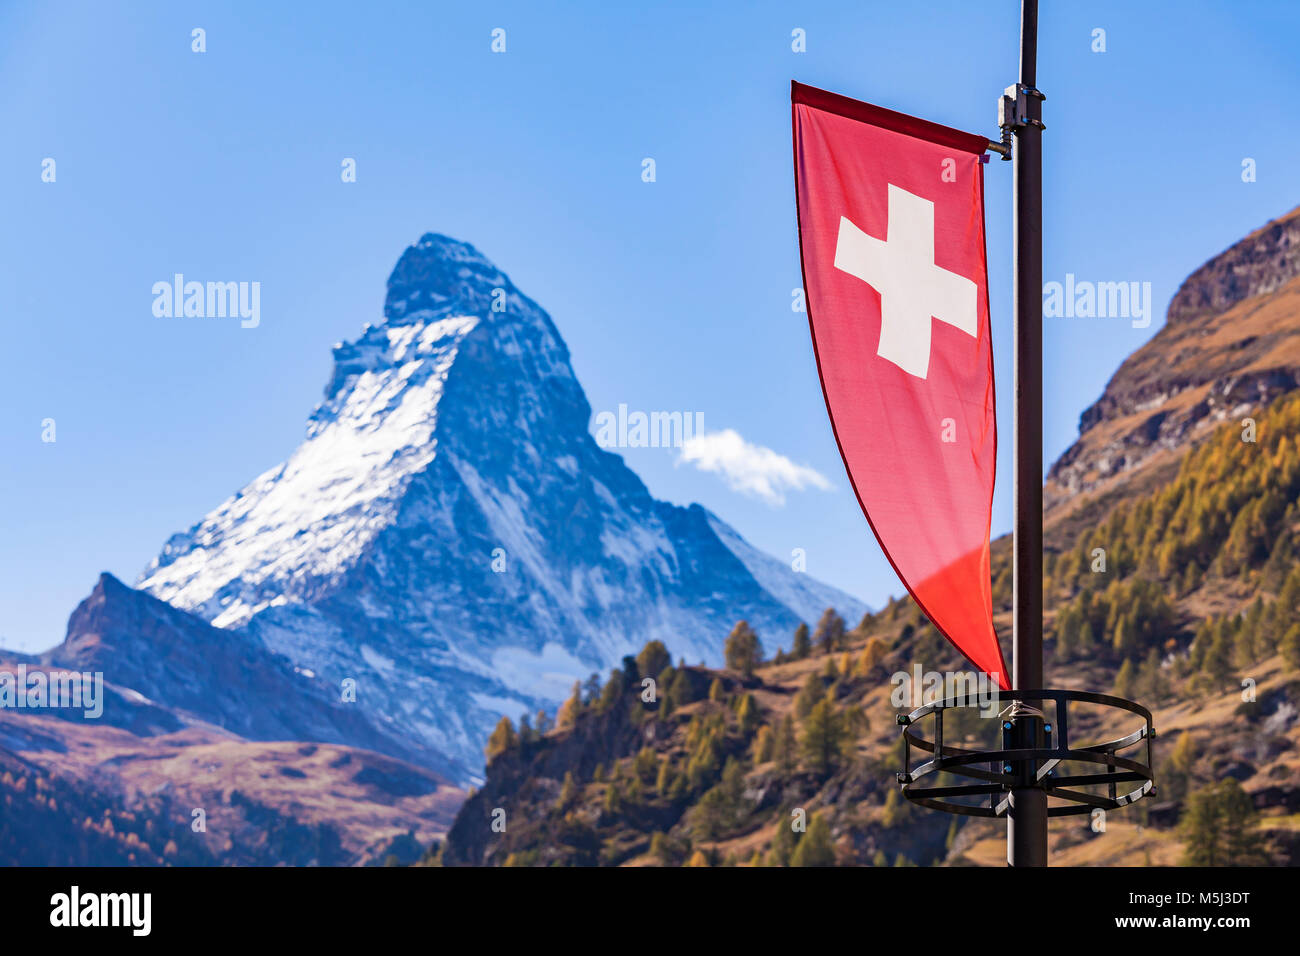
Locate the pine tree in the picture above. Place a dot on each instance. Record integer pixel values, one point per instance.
(824, 738)
(783, 844)
(829, 634)
(682, 688)
(785, 747)
(802, 644)
(764, 745)
(896, 810)
(816, 848)
(747, 714)
(813, 690)
(872, 655)
(716, 691)
(743, 650)
(569, 710)
(503, 739)
(1289, 647)
(1218, 828)
(653, 659)
(829, 671)
(1218, 656)
(1085, 641)
(661, 850)
(612, 690)
(1124, 680)
(663, 781)
(645, 764)
(1150, 676)
(613, 799)
(1183, 757)
(568, 791)
(1066, 629)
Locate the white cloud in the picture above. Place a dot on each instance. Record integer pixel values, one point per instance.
(749, 469)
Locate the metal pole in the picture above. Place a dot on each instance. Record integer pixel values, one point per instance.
(1027, 819)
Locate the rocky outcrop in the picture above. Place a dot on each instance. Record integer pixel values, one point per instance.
(1229, 346)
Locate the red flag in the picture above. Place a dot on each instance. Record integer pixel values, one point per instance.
(891, 234)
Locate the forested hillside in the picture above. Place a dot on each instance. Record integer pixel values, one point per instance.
(1186, 598)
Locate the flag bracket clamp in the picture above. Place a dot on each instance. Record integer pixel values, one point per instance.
(1013, 114)
(1068, 774)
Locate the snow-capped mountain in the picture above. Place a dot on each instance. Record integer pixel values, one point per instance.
(450, 536)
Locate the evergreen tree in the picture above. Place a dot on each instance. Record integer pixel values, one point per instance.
(1289, 647)
(1124, 680)
(896, 810)
(824, 737)
(813, 690)
(1218, 656)
(1085, 641)
(783, 844)
(543, 723)
(613, 799)
(785, 747)
(829, 634)
(716, 691)
(816, 848)
(747, 714)
(764, 745)
(646, 764)
(568, 791)
(1218, 828)
(663, 782)
(743, 650)
(613, 688)
(802, 643)
(872, 655)
(682, 688)
(661, 849)
(1150, 676)
(503, 739)
(653, 659)
(570, 709)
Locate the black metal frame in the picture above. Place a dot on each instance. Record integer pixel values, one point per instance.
(1033, 767)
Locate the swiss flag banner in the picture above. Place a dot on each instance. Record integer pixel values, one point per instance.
(891, 235)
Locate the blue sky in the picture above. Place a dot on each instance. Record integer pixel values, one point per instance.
(673, 295)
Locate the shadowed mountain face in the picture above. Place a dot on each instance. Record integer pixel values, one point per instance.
(165, 669)
(1230, 343)
(450, 537)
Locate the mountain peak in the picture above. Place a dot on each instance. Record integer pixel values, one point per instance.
(1261, 263)
(442, 275)
(450, 537)
(1229, 345)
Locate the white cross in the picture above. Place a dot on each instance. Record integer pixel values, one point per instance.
(912, 288)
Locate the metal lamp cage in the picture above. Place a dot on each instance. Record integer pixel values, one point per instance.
(1126, 779)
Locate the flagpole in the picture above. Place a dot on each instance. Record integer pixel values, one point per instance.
(1027, 819)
